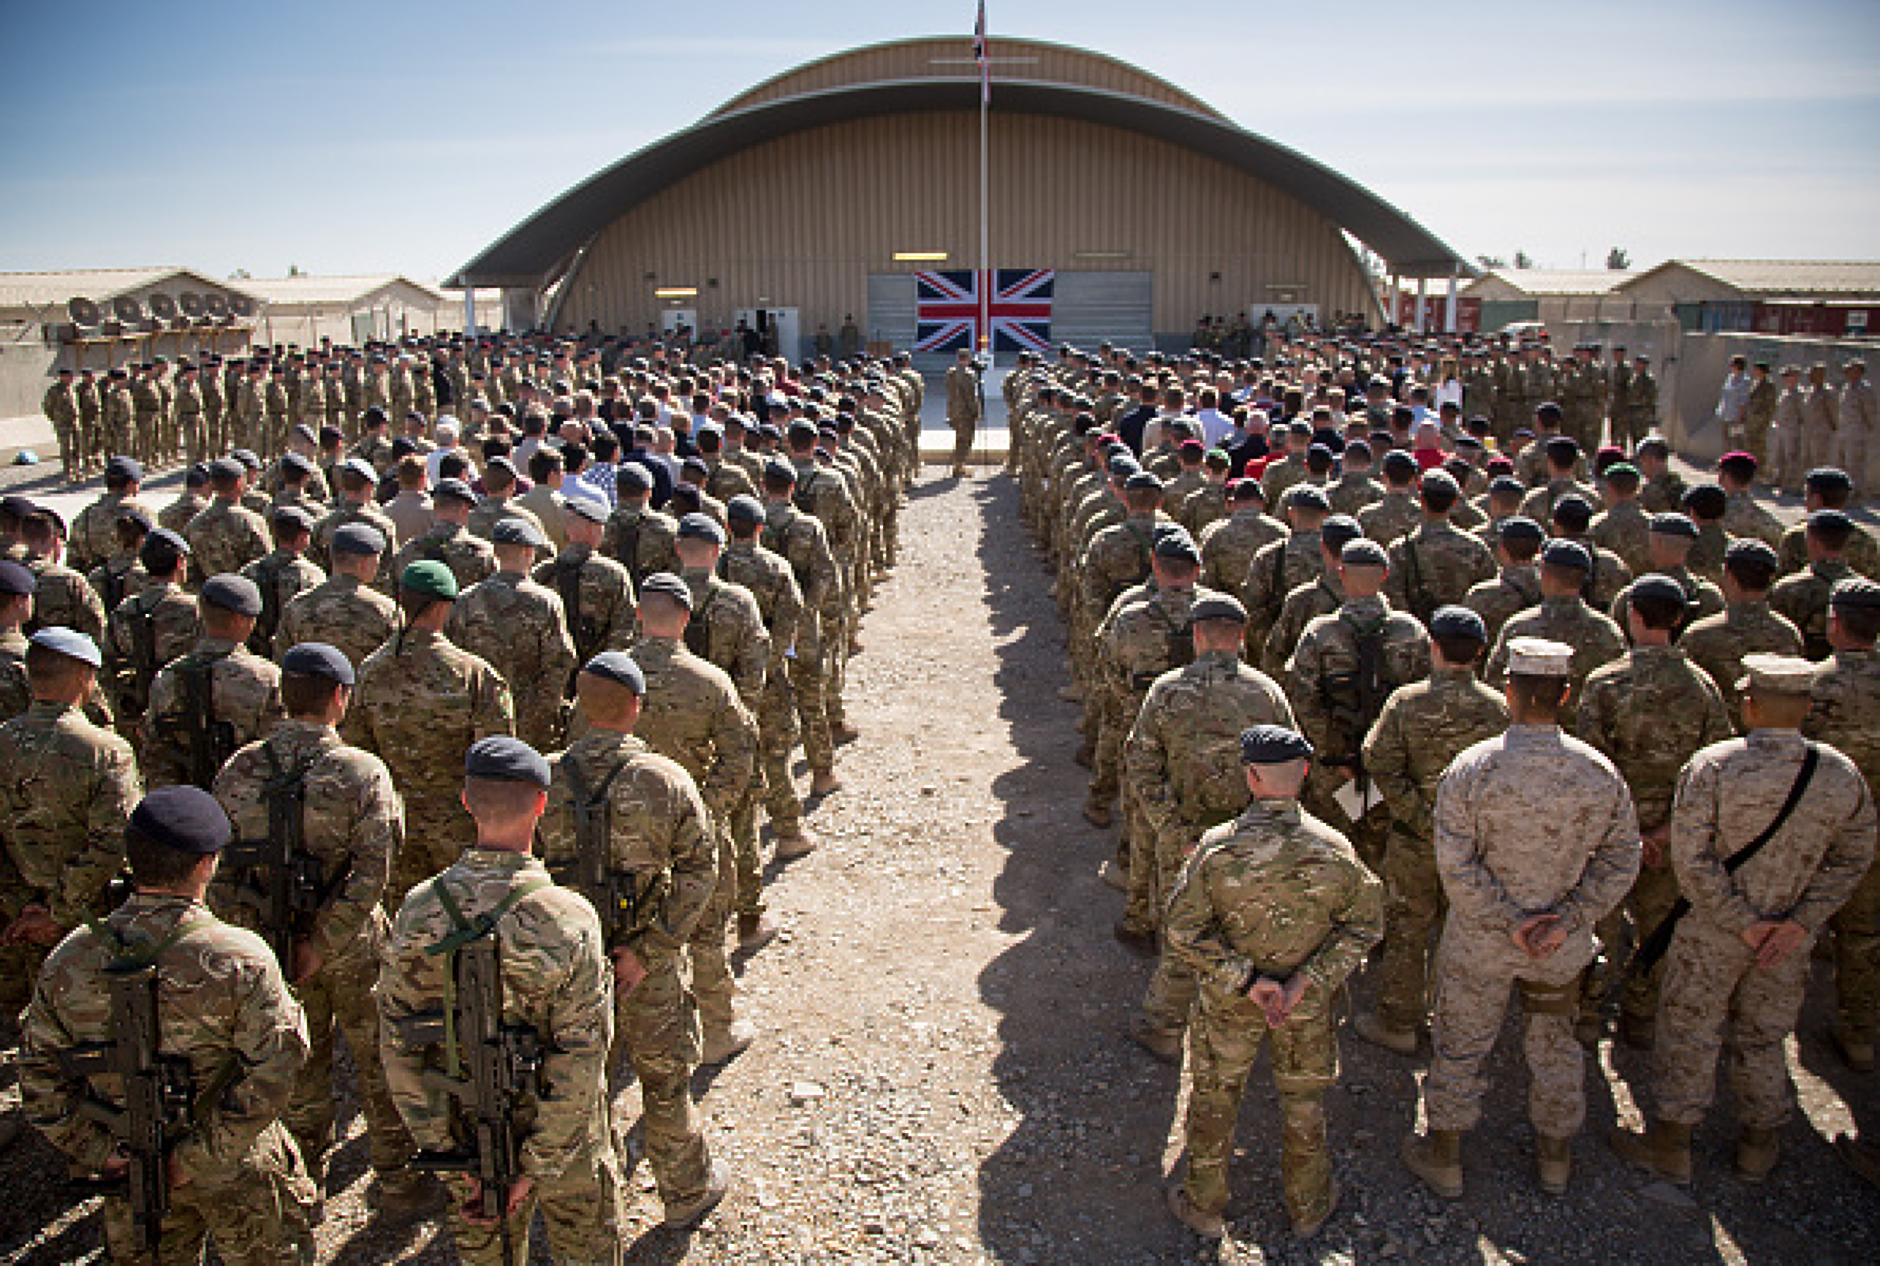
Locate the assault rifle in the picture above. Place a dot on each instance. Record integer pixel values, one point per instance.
(288, 879)
(210, 741)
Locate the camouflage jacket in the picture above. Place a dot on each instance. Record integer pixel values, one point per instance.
(643, 541)
(596, 599)
(1594, 637)
(1324, 677)
(281, 576)
(1391, 516)
(321, 551)
(1228, 547)
(1423, 727)
(1497, 601)
(244, 695)
(1717, 644)
(67, 788)
(772, 583)
(160, 623)
(1846, 711)
(471, 559)
(727, 629)
(64, 597)
(517, 626)
(419, 705)
(1649, 713)
(692, 714)
(341, 612)
(1803, 600)
(1434, 566)
(224, 538)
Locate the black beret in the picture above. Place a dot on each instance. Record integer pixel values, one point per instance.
(667, 585)
(246, 456)
(1453, 621)
(1520, 528)
(1829, 479)
(456, 489)
(291, 515)
(1573, 511)
(1220, 606)
(1674, 524)
(618, 667)
(1707, 501)
(196, 476)
(318, 659)
(134, 514)
(1659, 587)
(1567, 554)
(1272, 745)
(744, 508)
(1749, 549)
(357, 539)
(633, 476)
(1563, 449)
(516, 532)
(1550, 411)
(500, 758)
(1739, 464)
(67, 642)
(701, 527)
(1831, 520)
(1440, 481)
(16, 580)
(1399, 462)
(182, 817)
(1143, 481)
(236, 594)
(1338, 529)
(403, 447)
(1122, 465)
(1363, 553)
(1506, 485)
(1856, 593)
(1308, 496)
(163, 545)
(1177, 546)
(124, 468)
(1358, 449)
(589, 508)
(226, 468)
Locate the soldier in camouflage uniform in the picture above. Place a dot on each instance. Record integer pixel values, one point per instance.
(344, 610)
(799, 539)
(1272, 913)
(223, 1011)
(207, 704)
(1536, 841)
(1340, 674)
(1182, 760)
(60, 405)
(151, 628)
(1746, 626)
(1846, 713)
(1668, 549)
(499, 503)
(190, 501)
(226, 536)
(519, 628)
(1228, 545)
(639, 537)
(1623, 526)
(1317, 597)
(1740, 955)
(352, 823)
(1280, 567)
(596, 592)
(1647, 713)
(1398, 510)
(16, 603)
(188, 428)
(1423, 726)
(727, 626)
(121, 575)
(1829, 488)
(61, 596)
(146, 414)
(1562, 616)
(420, 702)
(1743, 515)
(1802, 598)
(1518, 588)
(557, 983)
(470, 559)
(282, 574)
(119, 414)
(1435, 565)
(357, 483)
(1355, 490)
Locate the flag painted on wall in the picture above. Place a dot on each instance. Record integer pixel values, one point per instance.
(946, 309)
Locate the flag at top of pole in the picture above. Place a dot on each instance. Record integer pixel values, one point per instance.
(979, 54)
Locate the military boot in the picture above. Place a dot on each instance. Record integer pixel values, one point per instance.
(754, 932)
(1856, 1048)
(794, 843)
(824, 783)
(1369, 1026)
(686, 1215)
(1553, 1163)
(1664, 1148)
(1164, 1044)
(1098, 815)
(1756, 1152)
(1209, 1226)
(1436, 1158)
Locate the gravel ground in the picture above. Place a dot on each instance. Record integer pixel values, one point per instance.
(943, 1075)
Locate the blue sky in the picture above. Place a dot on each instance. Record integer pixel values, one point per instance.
(366, 137)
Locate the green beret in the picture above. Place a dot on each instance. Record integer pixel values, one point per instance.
(430, 578)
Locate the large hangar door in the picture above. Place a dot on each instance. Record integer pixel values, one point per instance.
(890, 310)
(1091, 307)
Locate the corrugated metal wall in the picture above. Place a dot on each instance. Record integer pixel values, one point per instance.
(1094, 306)
(804, 220)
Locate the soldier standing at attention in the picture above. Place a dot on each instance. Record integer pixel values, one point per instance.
(517, 626)
(641, 812)
(60, 406)
(469, 559)
(596, 592)
(351, 823)
(1759, 414)
(962, 408)
(1536, 841)
(90, 428)
(420, 701)
(208, 703)
(344, 610)
(357, 482)
(226, 536)
(222, 1012)
(150, 628)
(283, 574)
(1424, 725)
(1746, 626)
(1771, 834)
(555, 985)
(1858, 419)
(1272, 912)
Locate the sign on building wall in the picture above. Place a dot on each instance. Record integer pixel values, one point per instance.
(946, 309)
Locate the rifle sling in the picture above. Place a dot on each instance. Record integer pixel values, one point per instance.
(468, 930)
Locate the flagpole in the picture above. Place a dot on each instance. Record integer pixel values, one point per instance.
(984, 51)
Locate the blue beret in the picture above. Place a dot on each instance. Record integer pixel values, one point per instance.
(589, 508)
(291, 515)
(500, 758)
(69, 642)
(1832, 520)
(618, 667)
(318, 659)
(1567, 554)
(1143, 481)
(1505, 486)
(777, 468)
(163, 545)
(246, 456)
(667, 585)
(1747, 549)
(701, 527)
(1339, 529)
(1518, 527)
(226, 468)
(15, 579)
(182, 817)
(1573, 511)
(296, 463)
(456, 489)
(1659, 587)
(1399, 462)
(134, 514)
(1272, 745)
(357, 539)
(516, 532)
(1829, 479)
(1453, 621)
(744, 508)
(1674, 524)
(124, 468)
(1363, 553)
(360, 467)
(236, 594)
(633, 476)
(1177, 546)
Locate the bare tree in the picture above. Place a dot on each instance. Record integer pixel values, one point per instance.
(1618, 260)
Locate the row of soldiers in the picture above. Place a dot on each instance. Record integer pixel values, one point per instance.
(269, 733)
(1461, 704)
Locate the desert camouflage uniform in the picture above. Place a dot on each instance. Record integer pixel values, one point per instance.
(557, 981)
(1594, 637)
(1704, 598)
(490, 511)
(1434, 566)
(727, 629)
(244, 693)
(118, 577)
(1396, 513)
(641, 540)
(1727, 795)
(164, 615)
(1717, 644)
(1533, 822)
(353, 822)
(1423, 727)
(419, 705)
(1801, 598)
(1275, 892)
(798, 538)
(1498, 601)
(1625, 529)
(1862, 554)
(92, 537)
(1744, 516)
(517, 626)
(1278, 568)
(342, 613)
(281, 576)
(471, 559)
(390, 560)
(178, 513)
(1350, 494)
(1846, 713)
(597, 601)
(224, 538)
(1302, 606)
(62, 596)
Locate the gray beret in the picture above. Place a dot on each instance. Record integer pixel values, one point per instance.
(1856, 593)
(318, 659)
(744, 508)
(357, 539)
(618, 667)
(237, 594)
(1177, 546)
(1339, 529)
(1519, 527)
(1832, 520)
(667, 585)
(1363, 553)
(1567, 554)
(1674, 524)
(1658, 587)
(15, 579)
(633, 476)
(516, 532)
(1308, 495)
(1453, 621)
(360, 467)
(163, 544)
(456, 489)
(500, 758)
(70, 643)
(1272, 745)
(182, 817)
(589, 508)
(296, 463)
(1220, 606)
(701, 527)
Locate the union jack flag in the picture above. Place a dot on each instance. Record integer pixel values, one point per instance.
(946, 311)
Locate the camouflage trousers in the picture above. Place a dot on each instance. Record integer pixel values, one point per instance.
(777, 730)
(339, 998)
(712, 984)
(835, 666)
(1106, 765)
(1653, 894)
(582, 1208)
(1223, 1042)
(1146, 898)
(144, 437)
(71, 448)
(808, 690)
(257, 1217)
(1170, 998)
(1857, 958)
(195, 435)
(1475, 973)
(1787, 457)
(657, 1027)
(1413, 907)
(1756, 440)
(962, 441)
(1711, 978)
